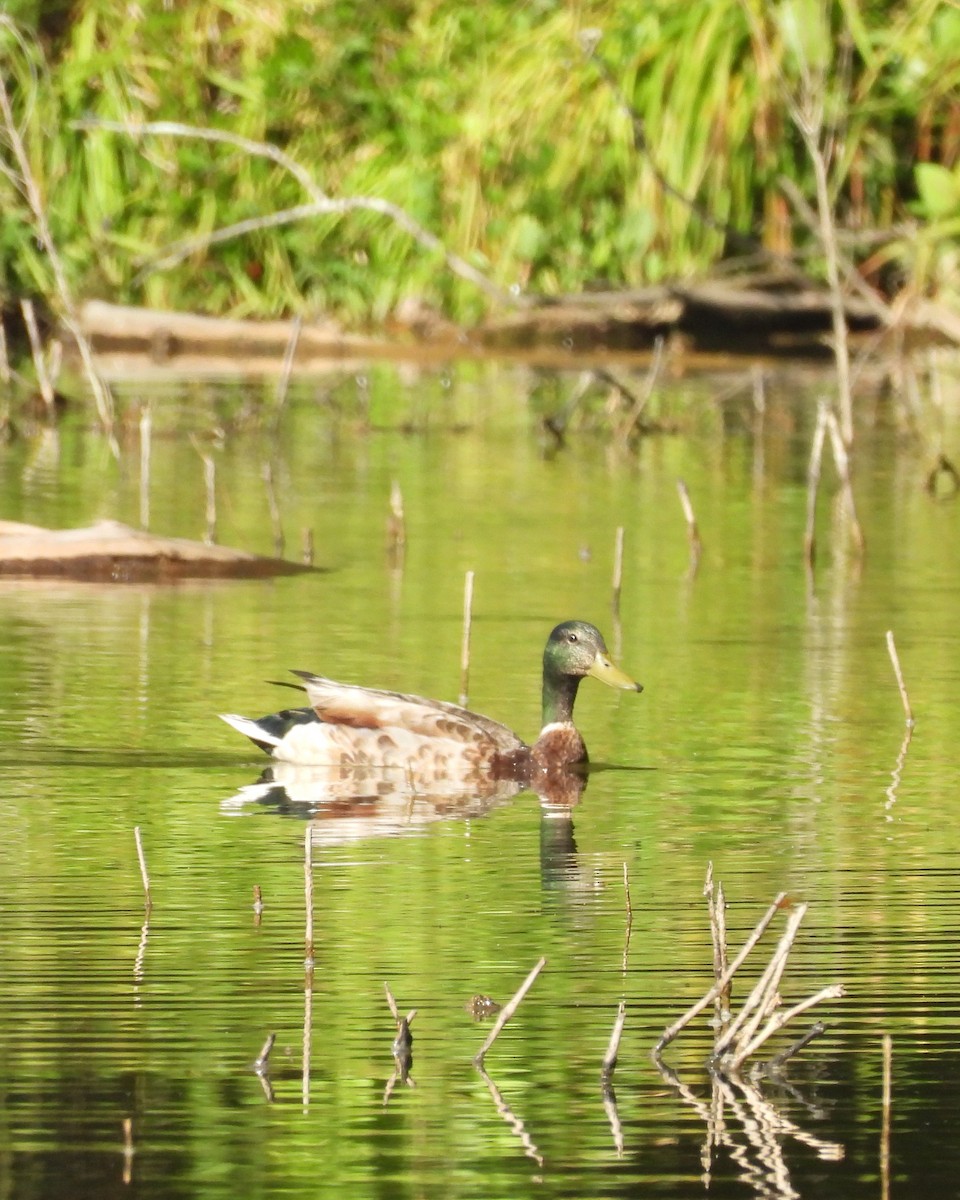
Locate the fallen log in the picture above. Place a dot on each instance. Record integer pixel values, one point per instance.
(114, 553)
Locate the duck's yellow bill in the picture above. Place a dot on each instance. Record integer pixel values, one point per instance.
(604, 670)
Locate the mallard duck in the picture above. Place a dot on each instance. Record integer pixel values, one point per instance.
(357, 728)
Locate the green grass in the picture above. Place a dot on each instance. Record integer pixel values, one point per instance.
(488, 124)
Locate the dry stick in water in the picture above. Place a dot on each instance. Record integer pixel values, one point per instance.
(143, 868)
(695, 1009)
(146, 426)
(308, 896)
(617, 569)
(813, 483)
(283, 383)
(307, 551)
(465, 645)
(693, 533)
(36, 351)
(885, 1117)
(261, 1062)
(613, 1046)
(507, 1012)
(279, 543)
(895, 659)
(842, 460)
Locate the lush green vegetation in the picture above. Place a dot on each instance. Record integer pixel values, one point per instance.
(545, 166)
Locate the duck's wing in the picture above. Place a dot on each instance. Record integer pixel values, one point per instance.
(354, 707)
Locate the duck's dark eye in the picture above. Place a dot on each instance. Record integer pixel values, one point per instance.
(572, 637)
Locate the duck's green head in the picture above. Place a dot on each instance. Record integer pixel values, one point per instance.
(574, 650)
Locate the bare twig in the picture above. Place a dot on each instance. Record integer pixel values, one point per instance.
(129, 1150)
(44, 383)
(693, 532)
(283, 383)
(320, 204)
(773, 1065)
(834, 991)
(146, 426)
(261, 1063)
(465, 644)
(617, 568)
(308, 895)
(842, 461)
(148, 903)
(904, 698)
(761, 998)
(613, 1046)
(276, 522)
(396, 522)
(507, 1011)
(695, 1009)
(886, 1099)
(306, 553)
(638, 400)
(813, 483)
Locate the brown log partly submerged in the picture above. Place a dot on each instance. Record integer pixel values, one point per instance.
(114, 553)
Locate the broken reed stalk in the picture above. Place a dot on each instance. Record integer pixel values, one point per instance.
(507, 1011)
(260, 1065)
(813, 483)
(885, 1109)
(695, 1009)
(762, 998)
(283, 383)
(279, 543)
(146, 427)
(27, 182)
(465, 644)
(36, 351)
(617, 568)
(396, 521)
(128, 1149)
(841, 458)
(639, 401)
(141, 858)
(257, 902)
(808, 117)
(716, 911)
(613, 1046)
(693, 532)
(904, 698)
(306, 552)
(308, 897)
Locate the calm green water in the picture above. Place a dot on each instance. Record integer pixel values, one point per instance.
(768, 740)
